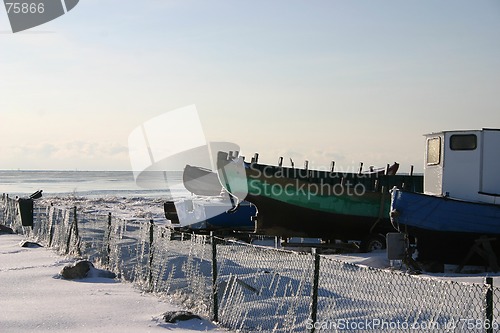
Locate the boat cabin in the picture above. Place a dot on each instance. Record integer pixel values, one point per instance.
(463, 165)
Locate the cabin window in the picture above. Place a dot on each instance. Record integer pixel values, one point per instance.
(463, 142)
(434, 151)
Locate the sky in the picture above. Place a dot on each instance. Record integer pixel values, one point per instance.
(344, 80)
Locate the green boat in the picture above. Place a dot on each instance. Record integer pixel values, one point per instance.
(293, 202)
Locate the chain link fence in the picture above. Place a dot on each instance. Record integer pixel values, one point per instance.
(254, 288)
(382, 300)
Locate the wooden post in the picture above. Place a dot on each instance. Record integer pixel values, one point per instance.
(70, 233)
(77, 236)
(51, 223)
(151, 239)
(108, 241)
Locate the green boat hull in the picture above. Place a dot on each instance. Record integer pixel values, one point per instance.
(310, 203)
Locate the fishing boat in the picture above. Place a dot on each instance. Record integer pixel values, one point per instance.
(458, 215)
(203, 214)
(300, 202)
(210, 208)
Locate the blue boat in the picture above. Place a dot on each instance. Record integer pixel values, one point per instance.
(210, 208)
(419, 211)
(457, 218)
(210, 214)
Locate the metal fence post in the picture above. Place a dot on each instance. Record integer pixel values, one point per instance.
(215, 304)
(489, 305)
(314, 301)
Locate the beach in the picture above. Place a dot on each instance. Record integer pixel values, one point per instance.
(33, 297)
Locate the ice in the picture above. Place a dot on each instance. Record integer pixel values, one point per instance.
(122, 207)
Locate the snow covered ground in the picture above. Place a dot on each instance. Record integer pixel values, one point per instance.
(33, 297)
(378, 259)
(259, 288)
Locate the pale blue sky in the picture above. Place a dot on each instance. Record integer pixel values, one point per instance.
(319, 80)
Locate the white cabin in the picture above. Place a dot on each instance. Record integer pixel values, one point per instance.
(463, 165)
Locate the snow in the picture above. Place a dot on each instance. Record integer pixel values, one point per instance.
(128, 208)
(33, 297)
(378, 259)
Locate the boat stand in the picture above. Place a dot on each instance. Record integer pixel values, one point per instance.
(482, 247)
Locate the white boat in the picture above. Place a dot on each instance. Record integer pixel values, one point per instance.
(460, 207)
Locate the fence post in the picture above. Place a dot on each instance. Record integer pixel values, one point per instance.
(68, 241)
(77, 235)
(215, 304)
(108, 241)
(4, 204)
(314, 301)
(74, 225)
(151, 239)
(50, 217)
(489, 305)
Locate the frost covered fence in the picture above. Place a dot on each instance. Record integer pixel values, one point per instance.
(262, 289)
(8, 213)
(381, 299)
(254, 288)
(116, 243)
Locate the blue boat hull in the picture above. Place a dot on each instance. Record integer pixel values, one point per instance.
(210, 214)
(446, 229)
(239, 220)
(444, 214)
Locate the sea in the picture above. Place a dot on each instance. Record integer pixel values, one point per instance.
(98, 191)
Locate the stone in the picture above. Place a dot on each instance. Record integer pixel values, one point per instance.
(101, 273)
(28, 244)
(175, 316)
(77, 270)
(5, 230)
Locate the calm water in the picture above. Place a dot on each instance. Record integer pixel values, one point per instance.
(80, 183)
